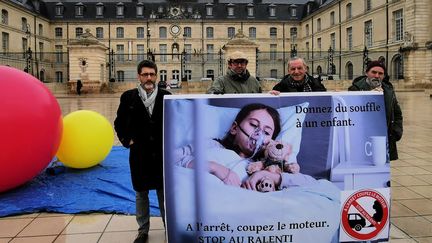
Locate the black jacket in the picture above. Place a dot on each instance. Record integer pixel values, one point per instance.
(133, 122)
(393, 111)
(283, 85)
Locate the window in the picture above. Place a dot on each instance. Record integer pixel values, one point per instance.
(140, 9)
(99, 10)
(349, 40)
(398, 24)
(250, 10)
(209, 9)
(78, 32)
(273, 32)
(319, 24)
(162, 32)
(307, 30)
(163, 52)
(59, 54)
(187, 32)
(59, 77)
(333, 41)
(59, 9)
(293, 11)
(293, 34)
(332, 18)
(231, 32)
(58, 32)
(120, 10)
(24, 44)
(307, 50)
(5, 42)
(319, 46)
(350, 71)
(140, 32)
(163, 75)
(120, 32)
(188, 50)
(349, 11)
(188, 74)
(273, 73)
(272, 10)
(368, 33)
(40, 29)
(230, 10)
(120, 53)
(140, 52)
(210, 52)
(368, 5)
(273, 51)
(209, 32)
(41, 50)
(24, 25)
(79, 10)
(120, 76)
(99, 33)
(4, 17)
(176, 75)
(252, 33)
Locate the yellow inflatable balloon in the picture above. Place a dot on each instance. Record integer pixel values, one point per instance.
(87, 139)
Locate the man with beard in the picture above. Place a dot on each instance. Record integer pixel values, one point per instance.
(298, 80)
(376, 78)
(139, 127)
(237, 79)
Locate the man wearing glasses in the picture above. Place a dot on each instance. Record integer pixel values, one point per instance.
(237, 79)
(139, 127)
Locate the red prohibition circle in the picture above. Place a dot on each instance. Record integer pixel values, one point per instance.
(352, 201)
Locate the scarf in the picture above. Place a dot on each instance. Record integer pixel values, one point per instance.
(305, 83)
(148, 99)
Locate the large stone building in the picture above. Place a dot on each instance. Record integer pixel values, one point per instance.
(101, 40)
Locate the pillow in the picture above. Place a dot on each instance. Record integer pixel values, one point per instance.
(219, 120)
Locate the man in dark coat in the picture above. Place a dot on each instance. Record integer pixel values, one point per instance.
(139, 127)
(298, 80)
(376, 78)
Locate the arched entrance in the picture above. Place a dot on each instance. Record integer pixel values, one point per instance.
(397, 67)
(349, 71)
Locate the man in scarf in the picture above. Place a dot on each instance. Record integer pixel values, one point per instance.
(237, 79)
(297, 80)
(376, 78)
(139, 127)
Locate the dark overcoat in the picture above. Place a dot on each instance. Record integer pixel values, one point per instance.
(133, 122)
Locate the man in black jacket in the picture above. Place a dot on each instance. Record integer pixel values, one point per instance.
(376, 78)
(298, 80)
(139, 127)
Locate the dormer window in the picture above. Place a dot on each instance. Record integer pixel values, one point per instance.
(230, 10)
(209, 9)
(140, 9)
(99, 9)
(250, 10)
(293, 10)
(59, 9)
(120, 10)
(272, 10)
(160, 9)
(152, 15)
(79, 9)
(189, 10)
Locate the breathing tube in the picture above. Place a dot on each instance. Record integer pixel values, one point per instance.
(255, 139)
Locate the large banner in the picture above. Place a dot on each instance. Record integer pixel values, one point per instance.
(305, 167)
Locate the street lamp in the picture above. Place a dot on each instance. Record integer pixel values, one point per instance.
(150, 55)
(365, 58)
(293, 46)
(330, 61)
(184, 58)
(28, 52)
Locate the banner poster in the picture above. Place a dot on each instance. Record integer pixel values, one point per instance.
(304, 167)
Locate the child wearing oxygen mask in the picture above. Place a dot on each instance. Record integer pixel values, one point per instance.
(253, 128)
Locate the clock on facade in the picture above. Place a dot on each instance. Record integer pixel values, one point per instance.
(175, 30)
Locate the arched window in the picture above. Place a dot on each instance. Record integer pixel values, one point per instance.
(231, 32)
(319, 70)
(4, 17)
(252, 33)
(397, 70)
(349, 70)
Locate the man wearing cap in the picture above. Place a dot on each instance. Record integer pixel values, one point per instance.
(237, 79)
(298, 80)
(376, 78)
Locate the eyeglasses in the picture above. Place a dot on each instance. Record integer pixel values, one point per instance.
(239, 62)
(152, 75)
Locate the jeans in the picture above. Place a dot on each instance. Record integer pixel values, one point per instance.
(143, 210)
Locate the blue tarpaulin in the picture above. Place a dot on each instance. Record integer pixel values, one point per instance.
(105, 188)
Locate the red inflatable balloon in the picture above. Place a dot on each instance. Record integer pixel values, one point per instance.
(30, 127)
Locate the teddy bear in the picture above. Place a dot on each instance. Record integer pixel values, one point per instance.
(275, 160)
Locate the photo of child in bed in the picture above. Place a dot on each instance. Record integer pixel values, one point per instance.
(240, 158)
